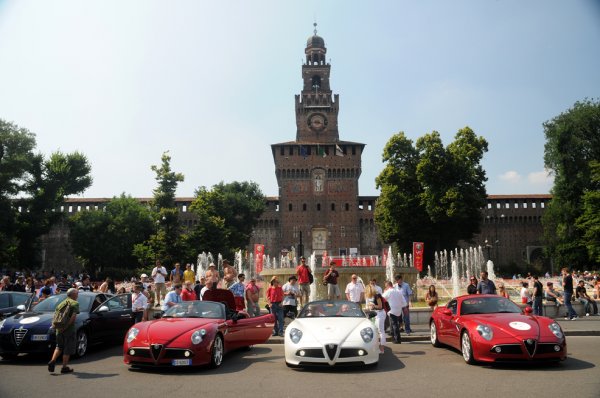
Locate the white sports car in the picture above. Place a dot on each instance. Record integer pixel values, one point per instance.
(331, 333)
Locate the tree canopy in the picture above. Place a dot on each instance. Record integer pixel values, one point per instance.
(429, 192)
(572, 146)
(31, 189)
(227, 214)
(104, 238)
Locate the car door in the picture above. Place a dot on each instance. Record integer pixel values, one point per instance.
(256, 330)
(115, 317)
(445, 321)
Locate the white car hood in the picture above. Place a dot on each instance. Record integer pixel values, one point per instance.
(330, 330)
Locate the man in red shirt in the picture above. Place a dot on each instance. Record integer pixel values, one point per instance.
(303, 274)
(275, 297)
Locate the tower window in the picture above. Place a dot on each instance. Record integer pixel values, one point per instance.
(291, 150)
(347, 207)
(304, 207)
(353, 150)
(290, 207)
(333, 207)
(318, 207)
(316, 82)
(282, 150)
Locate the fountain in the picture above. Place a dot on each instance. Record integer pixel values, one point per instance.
(490, 270)
(455, 279)
(313, 266)
(389, 266)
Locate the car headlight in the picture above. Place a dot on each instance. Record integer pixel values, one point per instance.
(485, 332)
(133, 332)
(2, 323)
(295, 335)
(367, 334)
(197, 336)
(556, 330)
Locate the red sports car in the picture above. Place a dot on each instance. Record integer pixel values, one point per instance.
(490, 328)
(195, 333)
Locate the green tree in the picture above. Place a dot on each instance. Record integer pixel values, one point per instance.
(589, 221)
(429, 192)
(227, 214)
(167, 243)
(572, 143)
(32, 188)
(105, 238)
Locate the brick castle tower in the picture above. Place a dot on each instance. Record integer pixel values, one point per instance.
(317, 174)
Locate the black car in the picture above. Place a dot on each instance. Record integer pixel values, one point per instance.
(102, 318)
(14, 302)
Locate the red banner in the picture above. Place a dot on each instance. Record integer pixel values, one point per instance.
(418, 248)
(259, 251)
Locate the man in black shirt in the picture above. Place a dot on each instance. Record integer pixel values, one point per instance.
(538, 293)
(587, 301)
(568, 293)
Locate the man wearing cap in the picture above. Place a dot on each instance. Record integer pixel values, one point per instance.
(229, 274)
(331, 278)
(158, 274)
(252, 296)
(189, 275)
(302, 272)
(66, 339)
(139, 302)
(212, 275)
(290, 292)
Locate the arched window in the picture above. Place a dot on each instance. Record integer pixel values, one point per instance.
(318, 207)
(316, 82)
(290, 207)
(347, 207)
(333, 207)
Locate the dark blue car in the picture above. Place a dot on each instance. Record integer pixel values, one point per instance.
(102, 318)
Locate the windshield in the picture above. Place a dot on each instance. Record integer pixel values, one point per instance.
(49, 304)
(196, 309)
(488, 305)
(344, 309)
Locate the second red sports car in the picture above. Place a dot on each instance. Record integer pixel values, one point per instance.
(195, 333)
(490, 328)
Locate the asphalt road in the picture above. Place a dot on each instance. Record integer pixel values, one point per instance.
(412, 370)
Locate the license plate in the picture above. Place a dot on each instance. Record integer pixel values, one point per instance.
(39, 337)
(181, 362)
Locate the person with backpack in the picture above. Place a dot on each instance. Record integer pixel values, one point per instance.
(64, 325)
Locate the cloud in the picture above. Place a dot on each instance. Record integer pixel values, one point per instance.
(511, 176)
(540, 177)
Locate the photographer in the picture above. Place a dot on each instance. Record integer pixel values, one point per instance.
(290, 291)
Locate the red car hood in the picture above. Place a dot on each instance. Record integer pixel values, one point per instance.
(519, 326)
(163, 331)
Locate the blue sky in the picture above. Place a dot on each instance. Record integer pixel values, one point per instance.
(214, 82)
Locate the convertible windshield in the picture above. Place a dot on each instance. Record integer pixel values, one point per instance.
(49, 304)
(488, 305)
(196, 309)
(345, 309)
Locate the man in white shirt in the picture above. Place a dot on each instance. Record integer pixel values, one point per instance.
(355, 291)
(158, 274)
(290, 292)
(397, 303)
(139, 303)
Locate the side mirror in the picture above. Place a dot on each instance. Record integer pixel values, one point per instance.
(103, 309)
(21, 307)
(372, 314)
(447, 312)
(528, 310)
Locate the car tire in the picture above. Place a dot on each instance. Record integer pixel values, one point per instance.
(217, 352)
(466, 348)
(433, 335)
(81, 344)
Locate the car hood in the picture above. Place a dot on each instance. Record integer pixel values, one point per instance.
(163, 331)
(330, 330)
(516, 325)
(28, 320)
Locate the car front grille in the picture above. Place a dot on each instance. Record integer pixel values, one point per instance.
(19, 335)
